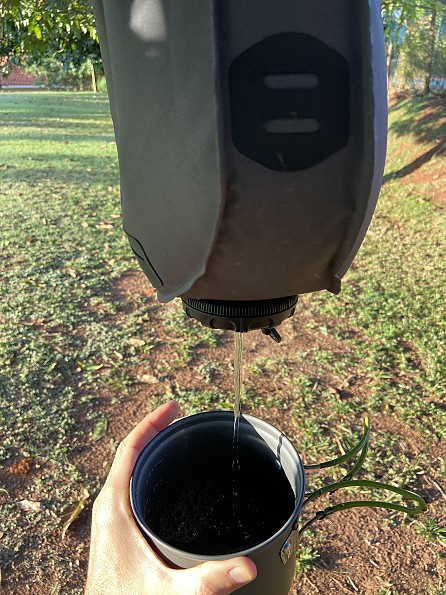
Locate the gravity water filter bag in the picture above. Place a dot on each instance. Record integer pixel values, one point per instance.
(251, 137)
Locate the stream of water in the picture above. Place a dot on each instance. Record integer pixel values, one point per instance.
(238, 350)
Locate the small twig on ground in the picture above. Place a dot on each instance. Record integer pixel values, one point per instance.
(307, 580)
(76, 512)
(340, 585)
(352, 584)
(436, 485)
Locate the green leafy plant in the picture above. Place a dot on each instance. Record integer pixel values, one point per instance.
(306, 559)
(431, 530)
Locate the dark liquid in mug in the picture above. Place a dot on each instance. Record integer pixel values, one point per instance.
(197, 510)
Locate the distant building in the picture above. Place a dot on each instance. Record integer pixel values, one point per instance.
(18, 79)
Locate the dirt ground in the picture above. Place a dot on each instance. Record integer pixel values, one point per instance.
(360, 550)
(436, 178)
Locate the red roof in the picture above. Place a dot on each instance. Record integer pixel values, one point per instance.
(18, 78)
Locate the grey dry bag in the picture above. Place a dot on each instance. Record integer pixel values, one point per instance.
(251, 137)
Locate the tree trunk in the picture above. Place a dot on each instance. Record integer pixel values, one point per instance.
(389, 62)
(431, 50)
(94, 86)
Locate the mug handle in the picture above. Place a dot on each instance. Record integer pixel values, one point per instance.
(362, 447)
(420, 504)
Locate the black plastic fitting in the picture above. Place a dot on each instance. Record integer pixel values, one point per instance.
(241, 316)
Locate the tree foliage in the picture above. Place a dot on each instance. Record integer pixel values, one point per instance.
(416, 46)
(36, 30)
(64, 30)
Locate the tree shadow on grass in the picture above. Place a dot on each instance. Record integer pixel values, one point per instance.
(438, 149)
(424, 118)
(62, 168)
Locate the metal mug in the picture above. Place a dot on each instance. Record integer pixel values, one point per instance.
(181, 446)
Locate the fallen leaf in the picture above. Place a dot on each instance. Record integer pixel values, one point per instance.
(37, 321)
(104, 226)
(334, 391)
(46, 384)
(135, 342)
(348, 382)
(169, 390)
(30, 506)
(90, 367)
(148, 379)
(60, 350)
(76, 512)
(93, 367)
(100, 429)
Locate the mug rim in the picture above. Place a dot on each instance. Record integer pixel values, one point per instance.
(288, 526)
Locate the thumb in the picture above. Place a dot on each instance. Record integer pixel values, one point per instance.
(214, 578)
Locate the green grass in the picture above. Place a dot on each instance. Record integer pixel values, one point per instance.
(431, 530)
(61, 248)
(188, 335)
(417, 121)
(306, 559)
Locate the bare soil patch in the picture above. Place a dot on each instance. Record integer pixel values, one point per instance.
(433, 175)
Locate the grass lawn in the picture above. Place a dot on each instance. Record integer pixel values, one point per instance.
(86, 351)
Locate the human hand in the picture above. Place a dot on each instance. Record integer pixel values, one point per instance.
(121, 561)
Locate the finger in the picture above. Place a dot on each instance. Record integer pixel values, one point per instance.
(151, 425)
(131, 447)
(214, 578)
